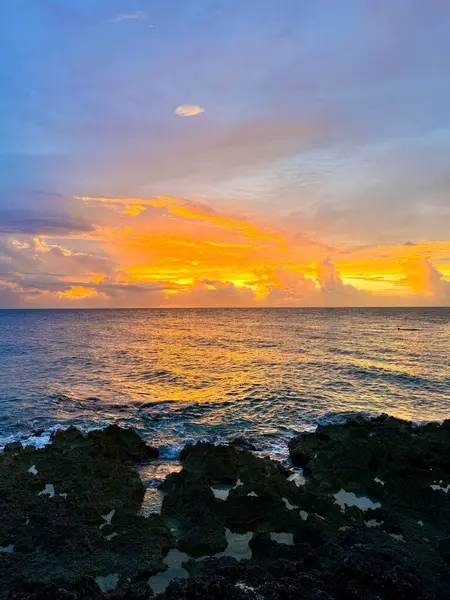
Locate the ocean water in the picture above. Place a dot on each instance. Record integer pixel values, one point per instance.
(178, 375)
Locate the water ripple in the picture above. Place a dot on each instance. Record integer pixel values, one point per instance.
(177, 375)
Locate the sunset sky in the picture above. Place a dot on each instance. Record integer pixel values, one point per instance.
(224, 153)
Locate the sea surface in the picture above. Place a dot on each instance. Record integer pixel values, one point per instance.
(178, 375)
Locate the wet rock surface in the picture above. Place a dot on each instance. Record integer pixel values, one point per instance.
(70, 510)
(372, 519)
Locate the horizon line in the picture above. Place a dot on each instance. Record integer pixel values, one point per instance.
(92, 308)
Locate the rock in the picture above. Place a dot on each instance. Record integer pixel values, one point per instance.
(76, 513)
(243, 444)
(74, 517)
(135, 591)
(112, 442)
(201, 528)
(84, 589)
(13, 447)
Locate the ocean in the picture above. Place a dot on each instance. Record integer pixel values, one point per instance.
(179, 375)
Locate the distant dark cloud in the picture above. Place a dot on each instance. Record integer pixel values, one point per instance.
(34, 223)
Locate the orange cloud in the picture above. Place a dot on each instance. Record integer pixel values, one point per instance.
(190, 210)
(189, 110)
(184, 253)
(424, 279)
(77, 293)
(133, 210)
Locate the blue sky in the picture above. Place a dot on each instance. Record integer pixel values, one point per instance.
(329, 117)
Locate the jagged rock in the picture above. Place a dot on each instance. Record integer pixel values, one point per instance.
(315, 541)
(71, 509)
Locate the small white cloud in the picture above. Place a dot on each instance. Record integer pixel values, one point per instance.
(136, 16)
(188, 110)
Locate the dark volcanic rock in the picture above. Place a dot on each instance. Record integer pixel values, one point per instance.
(397, 549)
(71, 510)
(56, 511)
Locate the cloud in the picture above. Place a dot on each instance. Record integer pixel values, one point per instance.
(334, 292)
(210, 293)
(425, 279)
(139, 15)
(185, 209)
(34, 223)
(181, 252)
(288, 288)
(189, 110)
(133, 210)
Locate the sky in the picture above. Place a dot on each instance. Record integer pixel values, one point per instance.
(162, 153)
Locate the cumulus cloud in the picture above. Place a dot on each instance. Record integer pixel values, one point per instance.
(426, 280)
(189, 110)
(206, 293)
(334, 292)
(289, 288)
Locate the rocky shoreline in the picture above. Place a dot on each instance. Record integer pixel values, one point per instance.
(371, 518)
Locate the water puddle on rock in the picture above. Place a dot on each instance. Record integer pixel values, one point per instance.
(221, 491)
(152, 502)
(283, 538)
(237, 548)
(152, 475)
(373, 523)
(440, 486)
(107, 583)
(49, 490)
(108, 518)
(173, 560)
(345, 499)
(288, 505)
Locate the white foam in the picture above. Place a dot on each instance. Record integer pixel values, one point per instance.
(345, 499)
(33, 470)
(111, 536)
(304, 514)
(397, 536)
(253, 494)
(108, 582)
(298, 478)
(379, 481)
(48, 490)
(7, 549)
(38, 441)
(244, 587)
